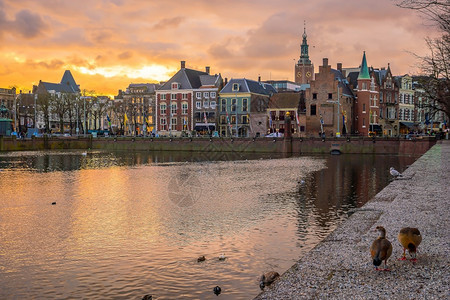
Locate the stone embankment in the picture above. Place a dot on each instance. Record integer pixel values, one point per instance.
(340, 267)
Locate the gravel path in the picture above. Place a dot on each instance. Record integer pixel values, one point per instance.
(340, 267)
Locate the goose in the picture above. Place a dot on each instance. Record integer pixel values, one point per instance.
(267, 279)
(410, 239)
(381, 249)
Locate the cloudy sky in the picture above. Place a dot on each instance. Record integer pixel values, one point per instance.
(108, 44)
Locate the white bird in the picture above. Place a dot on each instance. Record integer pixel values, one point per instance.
(222, 256)
(394, 172)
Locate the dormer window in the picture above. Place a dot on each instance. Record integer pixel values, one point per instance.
(235, 87)
(175, 86)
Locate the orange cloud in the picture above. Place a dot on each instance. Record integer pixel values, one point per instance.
(109, 44)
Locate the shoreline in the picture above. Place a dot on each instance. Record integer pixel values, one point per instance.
(340, 266)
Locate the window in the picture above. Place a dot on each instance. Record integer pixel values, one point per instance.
(233, 119)
(364, 107)
(205, 104)
(244, 119)
(198, 104)
(381, 97)
(173, 96)
(314, 96)
(163, 108)
(313, 110)
(212, 104)
(185, 123)
(206, 95)
(364, 86)
(173, 124)
(213, 94)
(173, 108)
(364, 122)
(244, 104)
(185, 96)
(223, 119)
(198, 95)
(184, 108)
(235, 87)
(163, 124)
(233, 105)
(223, 105)
(330, 96)
(174, 86)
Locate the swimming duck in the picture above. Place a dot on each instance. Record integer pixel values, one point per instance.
(268, 278)
(217, 290)
(201, 258)
(222, 256)
(381, 249)
(410, 239)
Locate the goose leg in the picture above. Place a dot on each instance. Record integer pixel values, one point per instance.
(404, 255)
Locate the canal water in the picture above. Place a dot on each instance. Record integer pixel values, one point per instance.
(129, 224)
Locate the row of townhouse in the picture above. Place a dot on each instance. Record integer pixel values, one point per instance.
(331, 102)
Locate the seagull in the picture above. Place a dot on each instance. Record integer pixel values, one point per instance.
(394, 172)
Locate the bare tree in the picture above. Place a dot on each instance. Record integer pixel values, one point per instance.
(435, 67)
(45, 103)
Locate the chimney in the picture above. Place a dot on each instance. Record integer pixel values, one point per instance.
(226, 81)
(183, 64)
(207, 69)
(325, 62)
(383, 68)
(339, 67)
(259, 78)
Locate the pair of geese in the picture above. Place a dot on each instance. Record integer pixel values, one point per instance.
(381, 248)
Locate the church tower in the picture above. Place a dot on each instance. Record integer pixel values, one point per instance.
(304, 69)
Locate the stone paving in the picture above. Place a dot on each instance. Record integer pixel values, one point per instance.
(340, 267)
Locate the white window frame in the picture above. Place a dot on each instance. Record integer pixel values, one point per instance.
(184, 108)
(198, 95)
(163, 111)
(198, 104)
(173, 108)
(212, 104)
(173, 96)
(212, 95)
(206, 95)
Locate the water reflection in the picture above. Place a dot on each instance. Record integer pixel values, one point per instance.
(130, 224)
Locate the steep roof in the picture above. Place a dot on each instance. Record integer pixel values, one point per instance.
(285, 100)
(249, 86)
(352, 78)
(150, 87)
(364, 71)
(343, 83)
(190, 79)
(68, 80)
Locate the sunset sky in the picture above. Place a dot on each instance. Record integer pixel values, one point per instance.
(108, 44)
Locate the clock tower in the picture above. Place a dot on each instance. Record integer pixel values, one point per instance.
(304, 69)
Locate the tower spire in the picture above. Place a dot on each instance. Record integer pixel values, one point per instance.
(364, 71)
(304, 56)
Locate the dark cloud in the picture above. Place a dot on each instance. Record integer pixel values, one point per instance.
(169, 23)
(29, 25)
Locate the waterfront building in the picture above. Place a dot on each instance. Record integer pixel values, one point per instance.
(187, 102)
(329, 103)
(288, 102)
(243, 108)
(406, 107)
(138, 102)
(56, 104)
(388, 101)
(286, 85)
(7, 100)
(367, 110)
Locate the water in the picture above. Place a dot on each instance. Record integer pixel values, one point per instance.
(130, 224)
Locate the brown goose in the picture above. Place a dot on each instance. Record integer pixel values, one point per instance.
(410, 239)
(381, 249)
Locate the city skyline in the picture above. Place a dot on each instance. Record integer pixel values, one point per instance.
(110, 44)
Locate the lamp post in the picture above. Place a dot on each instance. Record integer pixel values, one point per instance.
(338, 133)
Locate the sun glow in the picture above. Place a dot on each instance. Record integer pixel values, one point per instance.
(152, 72)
